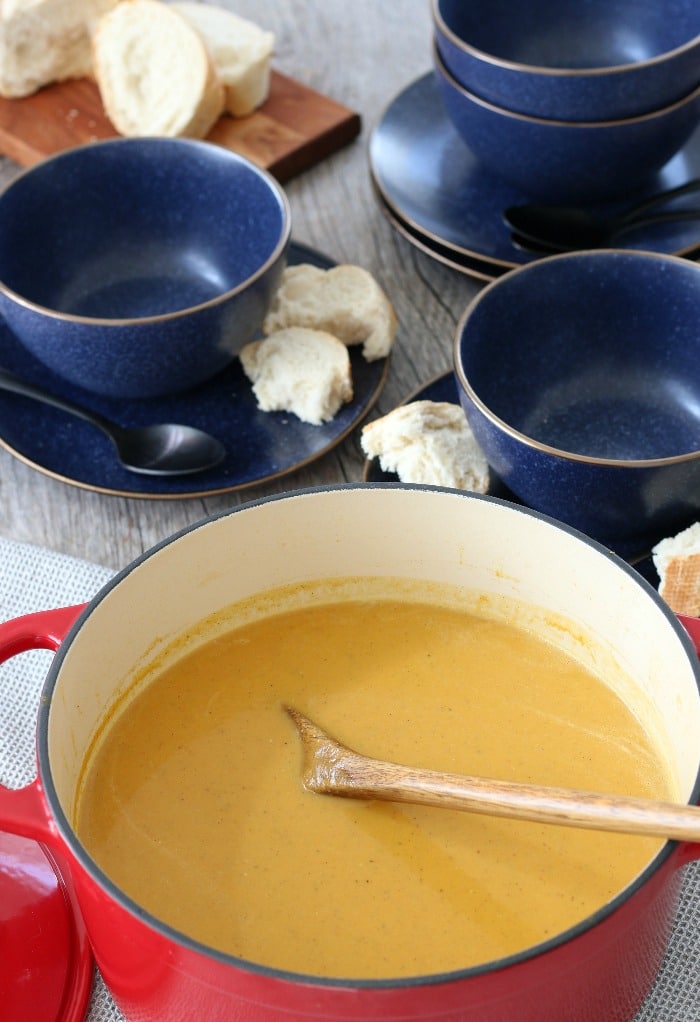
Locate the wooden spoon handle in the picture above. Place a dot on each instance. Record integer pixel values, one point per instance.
(356, 776)
(332, 768)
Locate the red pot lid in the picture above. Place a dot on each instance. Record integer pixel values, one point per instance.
(46, 966)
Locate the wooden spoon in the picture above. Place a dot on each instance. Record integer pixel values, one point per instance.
(330, 768)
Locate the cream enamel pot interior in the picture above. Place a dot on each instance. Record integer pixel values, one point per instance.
(597, 971)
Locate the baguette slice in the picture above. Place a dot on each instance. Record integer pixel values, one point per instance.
(677, 562)
(306, 372)
(44, 41)
(428, 442)
(240, 49)
(346, 301)
(154, 72)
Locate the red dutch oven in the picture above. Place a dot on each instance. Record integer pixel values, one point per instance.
(598, 971)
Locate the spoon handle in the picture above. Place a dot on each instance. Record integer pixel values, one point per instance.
(660, 197)
(8, 381)
(550, 246)
(331, 768)
(360, 777)
(630, 223)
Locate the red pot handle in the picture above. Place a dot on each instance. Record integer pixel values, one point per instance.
(44, 630)
(24, 811)
(692, 627)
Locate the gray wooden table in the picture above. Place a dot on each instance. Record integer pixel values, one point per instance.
(362, 54)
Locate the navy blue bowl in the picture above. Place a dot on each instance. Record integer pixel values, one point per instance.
(567, 161)
(140, 267)
(572, 60)
(580, 377)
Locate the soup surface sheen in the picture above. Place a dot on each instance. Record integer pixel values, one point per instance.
(192, 801)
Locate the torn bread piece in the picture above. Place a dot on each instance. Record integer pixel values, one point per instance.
(154, 73)
(428, 442)
(44, 41)
(241, 50)
(306, 372)
(345, 300)
(677, 562)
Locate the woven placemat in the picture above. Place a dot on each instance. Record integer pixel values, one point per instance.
(33, 579)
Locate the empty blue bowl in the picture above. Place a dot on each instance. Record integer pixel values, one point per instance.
(572, 60)
(579, 376)
(567, 161)
(140, 267)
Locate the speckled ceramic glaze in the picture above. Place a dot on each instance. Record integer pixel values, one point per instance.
(572, 60)
(579, 377)
(566, 161)
(260, 446)
(139, 267)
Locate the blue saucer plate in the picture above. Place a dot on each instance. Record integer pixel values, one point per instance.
(444, 388)
(261, 446)
(476, 268)
(428, 177)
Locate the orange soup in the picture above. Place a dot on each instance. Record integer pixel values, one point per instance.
(192, 802)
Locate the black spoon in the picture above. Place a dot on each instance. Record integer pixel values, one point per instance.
(568, 228)
(160, 450)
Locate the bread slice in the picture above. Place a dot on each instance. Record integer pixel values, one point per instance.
(240, 49)
(306, 372)
(428, 442)
(677, 562)
(345, 300)
(154, 72)
(44, 41)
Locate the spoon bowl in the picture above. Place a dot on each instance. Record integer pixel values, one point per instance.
(162, 449)
(331, 768)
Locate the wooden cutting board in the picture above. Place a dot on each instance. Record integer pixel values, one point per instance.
(296, 127)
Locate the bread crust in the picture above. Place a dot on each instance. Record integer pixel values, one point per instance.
(677, 562)
(240, 49)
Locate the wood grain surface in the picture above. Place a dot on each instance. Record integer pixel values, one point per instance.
(295, 128)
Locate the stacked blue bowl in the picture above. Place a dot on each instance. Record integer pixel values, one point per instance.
(570, 101)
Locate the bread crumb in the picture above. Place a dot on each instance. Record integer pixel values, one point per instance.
(428, 442)
(298, 370)
(677, 562)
